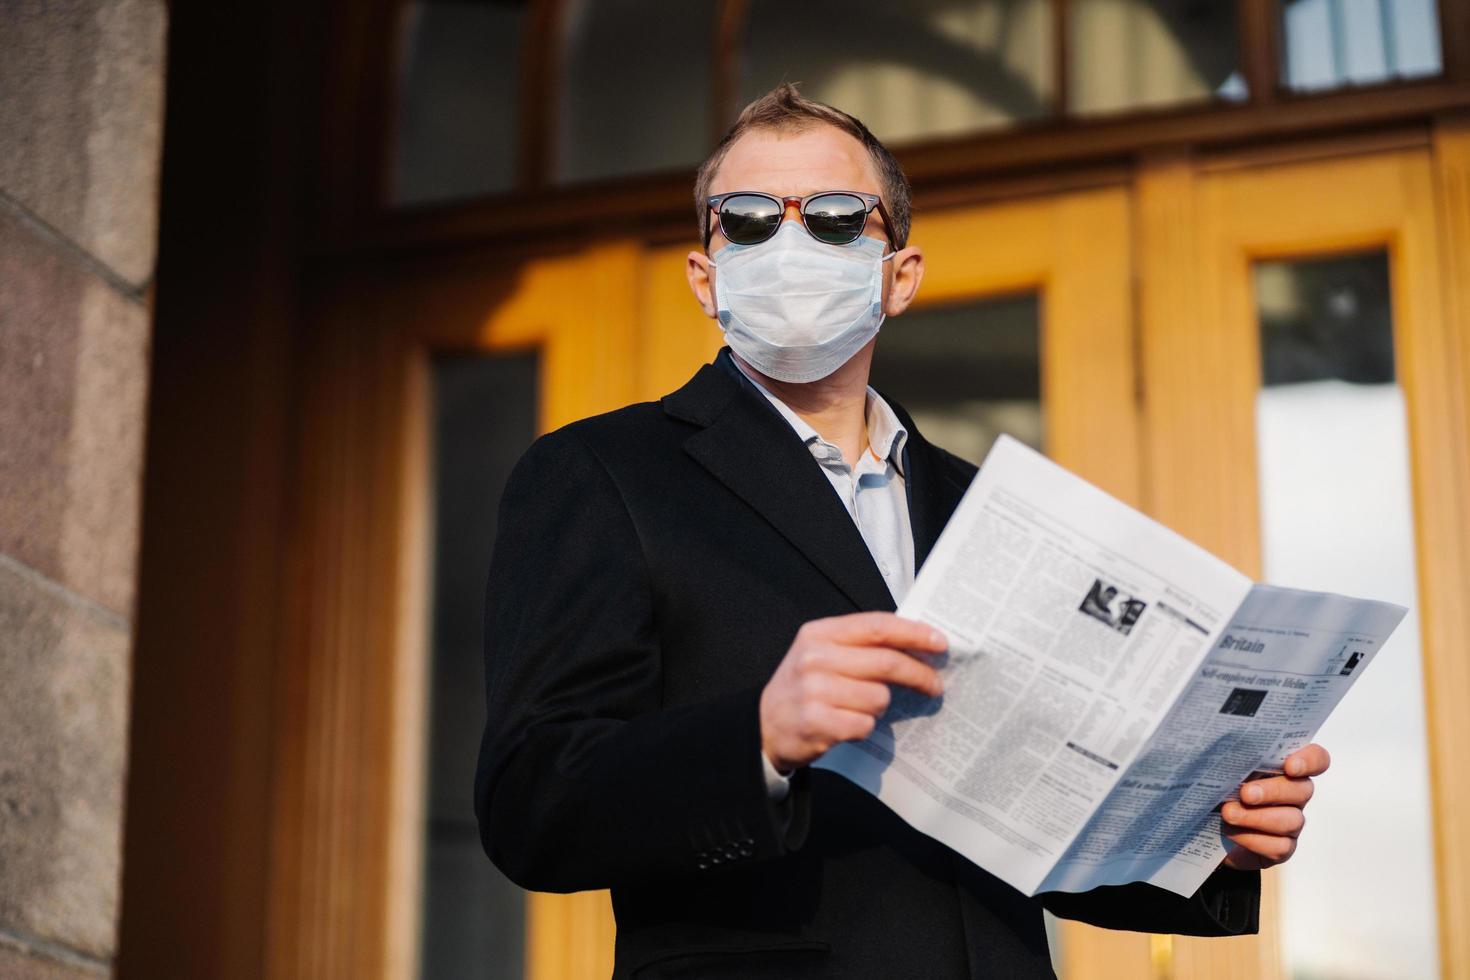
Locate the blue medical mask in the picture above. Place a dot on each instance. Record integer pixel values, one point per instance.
(797, 309)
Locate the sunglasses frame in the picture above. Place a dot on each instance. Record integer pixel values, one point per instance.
(871, 201)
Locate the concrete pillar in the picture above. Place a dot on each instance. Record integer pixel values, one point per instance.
(81, 101)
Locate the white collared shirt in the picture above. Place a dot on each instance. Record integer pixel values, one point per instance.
(873, 491)
(874, 494)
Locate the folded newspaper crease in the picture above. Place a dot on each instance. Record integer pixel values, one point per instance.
(1108, 685)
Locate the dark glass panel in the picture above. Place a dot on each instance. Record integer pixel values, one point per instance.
(966, 373)
(473, 919)
(458, 121)
(635, 87)
(1326, 318)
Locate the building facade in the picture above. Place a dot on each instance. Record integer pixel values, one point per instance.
(1212, 256)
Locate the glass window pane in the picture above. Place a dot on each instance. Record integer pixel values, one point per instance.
(473, 919)
(966, 373)
(457, 102)
(635, 93)
(1336, 515)
(911, 70)
(1332, 43)
(1136, 54)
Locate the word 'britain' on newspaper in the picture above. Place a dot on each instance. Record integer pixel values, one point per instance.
(1108, 685)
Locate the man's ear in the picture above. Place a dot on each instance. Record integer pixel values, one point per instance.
(700, 273)
(903, 283)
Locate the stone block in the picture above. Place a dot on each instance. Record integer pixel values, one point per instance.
(73, 383)
(19, 964)
(81, 122)
(63, 735)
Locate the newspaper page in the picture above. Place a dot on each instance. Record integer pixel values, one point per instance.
(1280, 667)
(1073, 624)
(1085, 647)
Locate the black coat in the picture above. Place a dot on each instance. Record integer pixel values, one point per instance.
(651, 568)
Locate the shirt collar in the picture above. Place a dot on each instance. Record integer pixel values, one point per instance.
(886, 434)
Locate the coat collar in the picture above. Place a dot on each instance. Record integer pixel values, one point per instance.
(745, 444)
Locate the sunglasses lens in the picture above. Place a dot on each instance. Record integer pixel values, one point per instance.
(836, 218)
(746, 219)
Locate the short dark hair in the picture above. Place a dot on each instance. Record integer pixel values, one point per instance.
(784, 108)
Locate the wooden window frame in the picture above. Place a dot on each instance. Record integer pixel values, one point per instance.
(355, 216)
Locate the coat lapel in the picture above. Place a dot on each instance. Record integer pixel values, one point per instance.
(749, 448)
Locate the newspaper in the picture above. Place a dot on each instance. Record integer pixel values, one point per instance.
(1108, 685)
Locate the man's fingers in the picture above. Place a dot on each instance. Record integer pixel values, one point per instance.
(869, 697)
(1276, 790)
(828, 726)
(886, 666)
(1285, 821)
(1272, 847)
(879, 629)
(1310, 761)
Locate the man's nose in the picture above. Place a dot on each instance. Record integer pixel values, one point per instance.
(791, 210)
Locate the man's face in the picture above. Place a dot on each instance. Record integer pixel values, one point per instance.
(796, 164)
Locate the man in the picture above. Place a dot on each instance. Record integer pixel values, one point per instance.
(691, 600)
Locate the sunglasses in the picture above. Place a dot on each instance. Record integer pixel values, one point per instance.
(833, 217)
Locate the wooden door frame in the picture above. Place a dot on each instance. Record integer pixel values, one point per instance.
(345, 879)
(1202, 223)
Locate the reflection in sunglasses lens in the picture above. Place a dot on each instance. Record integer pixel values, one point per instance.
(836, 218)
(746, 219)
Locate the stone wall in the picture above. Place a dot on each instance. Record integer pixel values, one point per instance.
(81, 103)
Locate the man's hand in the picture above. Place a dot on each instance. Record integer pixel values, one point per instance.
(832, 685)
(1265, 824)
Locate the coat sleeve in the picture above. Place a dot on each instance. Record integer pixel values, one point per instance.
(1227, 904)
(585, 780)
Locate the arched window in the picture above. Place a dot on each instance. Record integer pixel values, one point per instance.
(910, 71)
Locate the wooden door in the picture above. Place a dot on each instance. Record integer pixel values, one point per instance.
(1207, 230)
